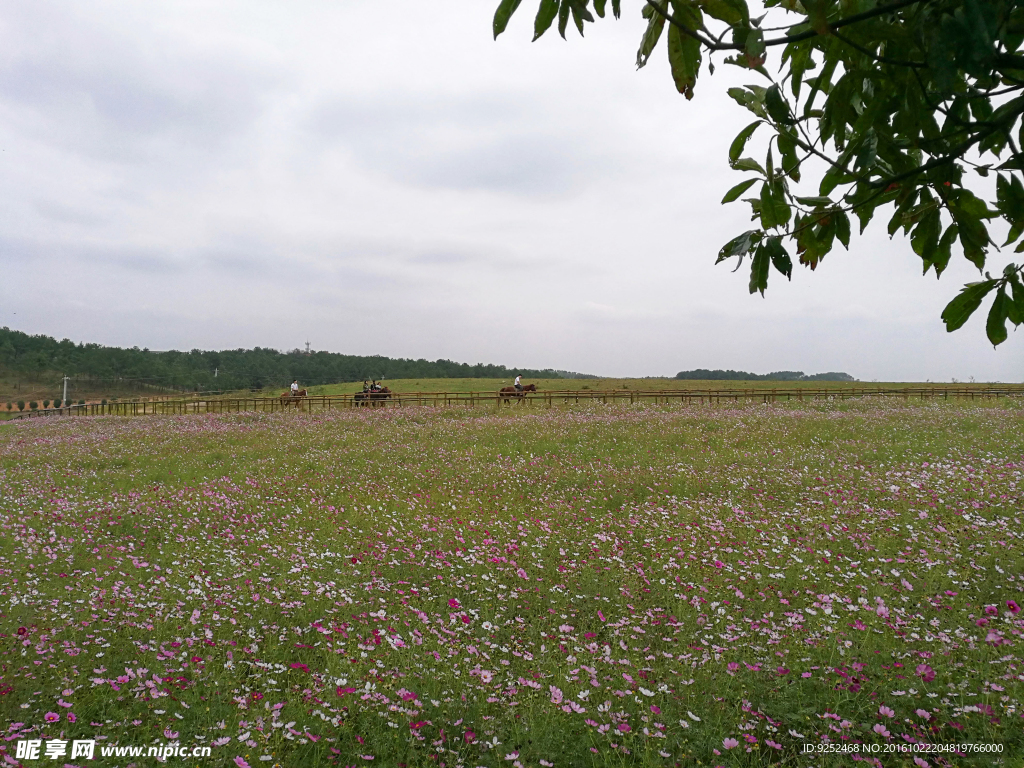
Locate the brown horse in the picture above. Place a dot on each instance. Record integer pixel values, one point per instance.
(509, 392)
(373, 398)
(287, 398)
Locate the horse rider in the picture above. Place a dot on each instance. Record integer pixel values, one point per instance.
(295, 388)
(366, 386)
(519, 383)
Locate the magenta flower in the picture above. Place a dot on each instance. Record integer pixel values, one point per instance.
(51, 717)
(624, 728)
(927, 673)
(469, 736)
(1014, 608)
(453, 603)
(991, 610)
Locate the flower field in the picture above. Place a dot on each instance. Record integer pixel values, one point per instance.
(595, 586)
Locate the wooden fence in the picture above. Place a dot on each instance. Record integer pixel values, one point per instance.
(542, 398)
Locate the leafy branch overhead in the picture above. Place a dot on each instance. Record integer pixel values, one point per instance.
(884, 106)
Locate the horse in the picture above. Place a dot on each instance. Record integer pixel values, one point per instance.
(287, 398)
(373, 397)
(509, 392)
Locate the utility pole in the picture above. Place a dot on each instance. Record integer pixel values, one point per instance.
(65, 389)
(215, 372)
(307, 347)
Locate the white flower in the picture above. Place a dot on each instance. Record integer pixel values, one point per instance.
(684, 724)
(693, 716)
(645, 692)
(795, 735)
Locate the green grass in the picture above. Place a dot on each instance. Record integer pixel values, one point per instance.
(434, 586)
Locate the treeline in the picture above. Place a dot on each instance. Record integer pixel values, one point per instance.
(703, 374)
(40, 356)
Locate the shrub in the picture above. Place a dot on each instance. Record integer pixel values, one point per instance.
(81, 402)
(56, 403)
(33, 405)
(10, 406)
(103, 401)
(21, 405)
(46, 403)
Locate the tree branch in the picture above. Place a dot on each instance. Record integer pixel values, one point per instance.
(857, 17)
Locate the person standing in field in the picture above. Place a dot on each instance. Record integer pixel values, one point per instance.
(519, 383)
(295, 387)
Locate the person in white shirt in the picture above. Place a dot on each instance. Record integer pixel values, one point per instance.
(519, 383)
(295, 386)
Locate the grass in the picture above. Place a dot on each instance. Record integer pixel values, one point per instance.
(591, 586)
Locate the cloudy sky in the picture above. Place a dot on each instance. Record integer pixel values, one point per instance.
(384, 178)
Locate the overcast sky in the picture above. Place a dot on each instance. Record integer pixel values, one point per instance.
(384, 178)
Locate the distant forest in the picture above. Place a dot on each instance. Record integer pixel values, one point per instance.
(703, 374)
(42, 357)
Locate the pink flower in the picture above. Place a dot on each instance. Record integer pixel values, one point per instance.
(51, 717)
(453, 603)
(1014, 608)
(469, 736)
(655, 709)
(886, 712)
(920, 762)
(169, 734)
(601, 615)
(556, 695)
(522, 574)
(991, 610)
(241, 763)
(730, 743)
(296, 665)
(927, 673)
(720, 564)
(881, 730)
(71, 717)
(624, 728)
(923, 714)
(995, 638)
(732, 668)
(773, 744)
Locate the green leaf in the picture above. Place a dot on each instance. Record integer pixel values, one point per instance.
(731, 13)
(736, 148)
(1015, 312)
(925, 237)
(684, 56)
(503, 14)
(842, 228)
(754, 48)
(651, 36)
(739, 189)
(962, 307)
(777, 106)
(563, 17)
(748, 164)
(940, 260)
(759, 270)
(995, 326)
(780, 259)
(545, 15)
(739, 245)
(599, 7)
(775, 211)
(816, 201)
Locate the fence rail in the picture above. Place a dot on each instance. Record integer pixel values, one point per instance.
(543, 398)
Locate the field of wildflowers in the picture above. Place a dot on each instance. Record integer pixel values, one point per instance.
(595, 586)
